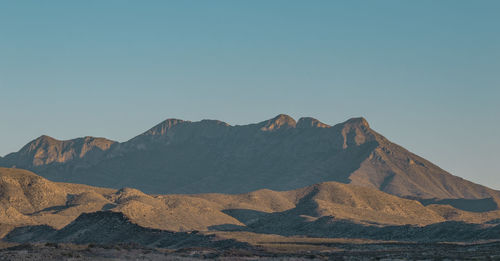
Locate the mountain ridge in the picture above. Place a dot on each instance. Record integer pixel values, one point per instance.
(177, 156)
(45, 150)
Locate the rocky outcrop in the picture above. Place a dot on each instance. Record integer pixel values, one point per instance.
(46, 150)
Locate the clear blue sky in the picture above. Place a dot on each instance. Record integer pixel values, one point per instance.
(426, 74)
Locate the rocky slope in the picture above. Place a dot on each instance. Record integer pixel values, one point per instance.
(179, 156)
(114, 228)
(327, 226)
(29, 200)
(50, 155)
(34, 209)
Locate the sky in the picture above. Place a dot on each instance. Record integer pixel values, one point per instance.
(425, 74)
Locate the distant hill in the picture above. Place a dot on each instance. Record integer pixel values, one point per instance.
(28, 199)
(179, 156)
(115, 228)
(33, 209)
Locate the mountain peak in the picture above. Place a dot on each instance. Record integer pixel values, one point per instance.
(45, 138)
(309, 122)
(279, 122)
(357, 122)
(213, 122)
(163, 127)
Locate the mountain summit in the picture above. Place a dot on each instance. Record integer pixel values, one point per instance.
(308, 122)
(281, 121)
(179, 156)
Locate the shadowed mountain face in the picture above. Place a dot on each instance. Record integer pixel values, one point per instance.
(211, 156)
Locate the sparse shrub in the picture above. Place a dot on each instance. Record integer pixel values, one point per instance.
(107, 246)
(67, 254)
(51, 244)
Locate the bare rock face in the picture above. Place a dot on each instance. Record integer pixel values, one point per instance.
(281, 121)
(163, 128)
(46, 150)
(179, 156)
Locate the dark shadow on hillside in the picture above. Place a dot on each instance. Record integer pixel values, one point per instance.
(57, 209)
(472, 205)
(53, 208)
(108, 206)
(288, 223)
(246, 216)
(112, 228)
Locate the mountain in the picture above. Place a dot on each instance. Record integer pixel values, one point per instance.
(179, 156)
